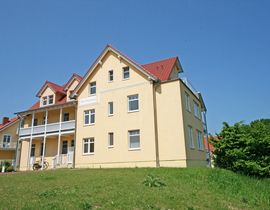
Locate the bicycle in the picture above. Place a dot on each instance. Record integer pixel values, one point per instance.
(38, 165)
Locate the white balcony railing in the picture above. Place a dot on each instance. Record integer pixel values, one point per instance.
(51, 128)
(7, 146)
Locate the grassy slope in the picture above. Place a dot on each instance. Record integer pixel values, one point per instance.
(123, 189)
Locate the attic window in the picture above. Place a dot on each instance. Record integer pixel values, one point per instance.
(47, 100)
(50, 99)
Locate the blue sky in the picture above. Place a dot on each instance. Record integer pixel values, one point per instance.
(224, 47)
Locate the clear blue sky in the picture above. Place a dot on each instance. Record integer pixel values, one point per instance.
(224, 47)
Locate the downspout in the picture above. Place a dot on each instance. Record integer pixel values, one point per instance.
(207, 142)
(155, 85)
(75, 137)
(17, 144)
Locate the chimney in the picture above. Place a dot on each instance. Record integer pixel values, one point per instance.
(5, 120)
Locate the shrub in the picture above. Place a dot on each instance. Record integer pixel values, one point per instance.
(151, 181)
(10, 169)
(244, 148)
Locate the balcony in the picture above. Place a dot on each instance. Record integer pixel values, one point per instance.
(51, 128)
(7, 146)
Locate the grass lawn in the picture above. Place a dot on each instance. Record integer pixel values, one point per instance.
(192, 188)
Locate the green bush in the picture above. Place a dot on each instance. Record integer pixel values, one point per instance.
(9, 169)
(244, 148)
(151, 181)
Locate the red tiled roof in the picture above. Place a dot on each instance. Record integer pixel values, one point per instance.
(211, 147)
(161, 69)
(8, 123)
(58, 89)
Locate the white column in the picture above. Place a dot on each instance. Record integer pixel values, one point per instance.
(59, 135)
(44, 140)
(30, 142)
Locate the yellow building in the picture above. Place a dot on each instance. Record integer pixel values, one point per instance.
(8, 139)
(120, 114)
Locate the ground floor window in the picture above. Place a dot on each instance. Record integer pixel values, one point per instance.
(200, 140)
(64, 147)
(72, 143)
(111, 139)
(33, 149)
(88, 146)
(134, 139)
(41, 149)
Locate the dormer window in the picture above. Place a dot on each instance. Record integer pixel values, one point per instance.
(50, 99)
(47, 100)
(44, 101)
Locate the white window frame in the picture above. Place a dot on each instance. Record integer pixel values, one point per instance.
(124, 69)
(46, 99)
(110, 108)
(90, 141)
(90, 113)
(131, 100)
(200, 140)
(187, 102)
(5, 143)
(197, 112)
(92, 85)
(190, 137)
(110, 134)
(110, 76)
(134, 135)
(50, 97)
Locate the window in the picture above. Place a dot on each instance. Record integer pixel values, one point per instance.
(110, 108)
(72, 143)
(50, 99)
(22, 123)
(6, 141)
(89, 117)
(133, 103)
(46, 100)
(64, 147)
(41, 149)
(44, 120)
(110, 75)
(200, 140)
(110, 139)
(126, 72)
(134, 139)
(35, 122)
(88, 146)
(190, 137)
(33, 149)
(66, 117)
(93, 88)
(187, 103)
(197, 112)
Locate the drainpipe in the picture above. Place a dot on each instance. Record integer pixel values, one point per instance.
(17, 144)
(155, 85)
(75, 138)
(207, 142)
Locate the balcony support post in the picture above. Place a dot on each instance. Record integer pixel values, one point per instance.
(59, 136)
(44, 140)
(30, 142)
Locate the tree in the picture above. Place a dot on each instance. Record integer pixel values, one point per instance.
(244, 148)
